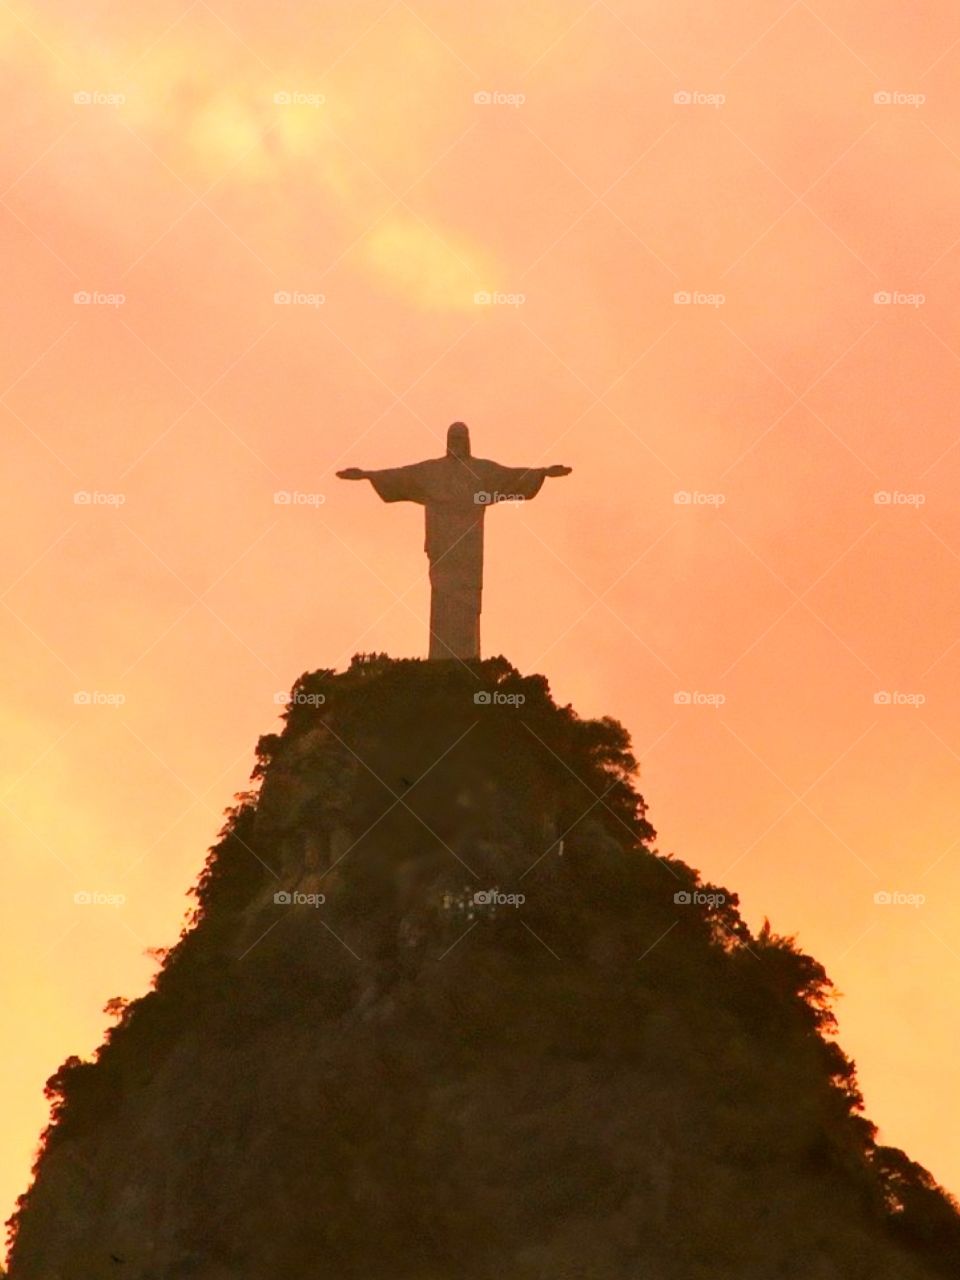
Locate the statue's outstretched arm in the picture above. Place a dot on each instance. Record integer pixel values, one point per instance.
(556, 471)
(395, 484)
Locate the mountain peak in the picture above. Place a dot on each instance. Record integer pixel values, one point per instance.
(443, 1010)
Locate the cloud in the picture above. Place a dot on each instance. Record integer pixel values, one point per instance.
(430, 269)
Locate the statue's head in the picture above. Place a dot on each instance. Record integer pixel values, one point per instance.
(458, 440)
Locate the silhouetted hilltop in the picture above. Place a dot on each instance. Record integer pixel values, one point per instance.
(442, 1013)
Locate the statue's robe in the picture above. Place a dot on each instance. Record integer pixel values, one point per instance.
(455, 493)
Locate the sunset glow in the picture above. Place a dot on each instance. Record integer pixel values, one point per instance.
(707, 255)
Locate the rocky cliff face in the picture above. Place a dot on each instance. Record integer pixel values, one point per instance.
(442, 1013)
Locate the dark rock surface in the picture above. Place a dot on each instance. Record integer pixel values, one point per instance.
(442, 1014)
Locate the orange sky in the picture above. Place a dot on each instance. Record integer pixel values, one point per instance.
(187, 187)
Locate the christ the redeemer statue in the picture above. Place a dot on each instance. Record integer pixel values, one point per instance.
(456, 491)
